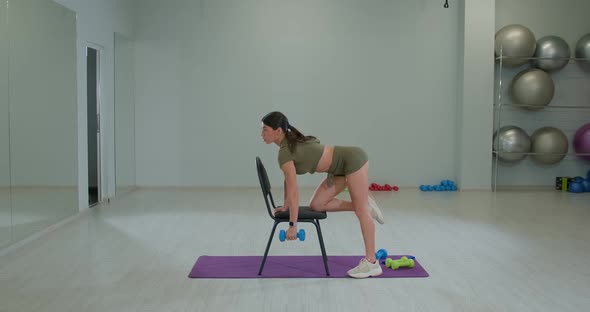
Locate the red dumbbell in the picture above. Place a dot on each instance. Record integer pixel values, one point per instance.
(376, 187)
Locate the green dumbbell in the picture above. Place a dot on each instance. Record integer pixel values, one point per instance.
(402, 262)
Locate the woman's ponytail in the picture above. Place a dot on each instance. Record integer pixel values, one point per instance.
(294, 136)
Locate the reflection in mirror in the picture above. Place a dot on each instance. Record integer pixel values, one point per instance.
(4, 143)
(124, 115)
(43, 112)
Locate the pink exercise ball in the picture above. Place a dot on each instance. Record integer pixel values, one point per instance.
(582, 141)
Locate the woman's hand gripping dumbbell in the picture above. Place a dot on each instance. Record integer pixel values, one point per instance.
(283, 235)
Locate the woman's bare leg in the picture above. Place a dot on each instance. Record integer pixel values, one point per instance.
(323, 198)
(358, 185)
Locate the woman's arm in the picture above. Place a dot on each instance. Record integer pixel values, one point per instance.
(291, 193)
(285, 193)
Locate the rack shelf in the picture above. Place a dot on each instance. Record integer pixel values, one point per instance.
(524, 106)
(529, 153)
(543, 58)
(568, 110)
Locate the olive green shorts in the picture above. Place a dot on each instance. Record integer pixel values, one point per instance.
(346, 160)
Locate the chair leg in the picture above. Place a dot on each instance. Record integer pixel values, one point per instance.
(321, 239)
(272, 233)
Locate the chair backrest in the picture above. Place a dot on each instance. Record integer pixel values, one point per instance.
(265, 186)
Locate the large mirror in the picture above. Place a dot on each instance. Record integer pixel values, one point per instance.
(124, 115)
(43, 115)
(5, 217)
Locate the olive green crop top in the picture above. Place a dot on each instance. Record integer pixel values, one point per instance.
(306, 156)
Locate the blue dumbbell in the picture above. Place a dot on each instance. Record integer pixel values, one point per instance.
(283, 235)
(575, 187)
(381, 255)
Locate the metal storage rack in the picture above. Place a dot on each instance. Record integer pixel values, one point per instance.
(501, 104)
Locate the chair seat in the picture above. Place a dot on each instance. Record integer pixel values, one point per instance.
(304, 213)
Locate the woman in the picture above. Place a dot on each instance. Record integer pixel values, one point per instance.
(346, 166)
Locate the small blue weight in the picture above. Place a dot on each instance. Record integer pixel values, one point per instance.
(283, 235)
(575, 187)
(301, 235)
(381, 254)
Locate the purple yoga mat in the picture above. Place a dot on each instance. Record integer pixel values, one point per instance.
(288, 267)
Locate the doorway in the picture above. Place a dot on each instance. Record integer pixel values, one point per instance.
(94, 128)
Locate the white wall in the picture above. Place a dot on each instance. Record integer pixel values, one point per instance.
(42, 95)
(97, 21)
(378, 74)
(569, 20)
(4, 121)
(124, 114)
(475, 114)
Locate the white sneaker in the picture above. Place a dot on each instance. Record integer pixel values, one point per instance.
(365, 269)
(375, 211)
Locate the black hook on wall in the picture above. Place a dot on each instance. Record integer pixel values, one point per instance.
(446, 4)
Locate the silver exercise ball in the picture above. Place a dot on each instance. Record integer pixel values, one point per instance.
(552, 47)
(550, 141)
(583, 51)
(514, 41)
(509, 141)
(532, 88)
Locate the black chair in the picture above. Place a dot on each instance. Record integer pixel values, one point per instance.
(305, 215)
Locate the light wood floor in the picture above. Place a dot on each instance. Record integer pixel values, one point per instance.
(505, 251)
